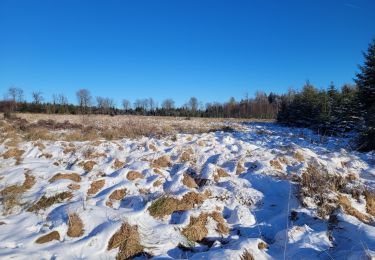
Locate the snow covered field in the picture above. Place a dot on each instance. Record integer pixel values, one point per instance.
(216, 195)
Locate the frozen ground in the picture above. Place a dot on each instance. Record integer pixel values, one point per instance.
(250, 178)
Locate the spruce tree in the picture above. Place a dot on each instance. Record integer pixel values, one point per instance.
(365, 80)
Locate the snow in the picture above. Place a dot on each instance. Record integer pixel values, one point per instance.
(255, 204)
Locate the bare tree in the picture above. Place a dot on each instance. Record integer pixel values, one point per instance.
(105, 105)
(37, 97)
(15, 94)
(126, 104)
(168, 104)
(151, 104)
(193, 104)
(84, 100)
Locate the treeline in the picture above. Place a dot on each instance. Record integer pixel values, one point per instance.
(335, 111)
(262, 106)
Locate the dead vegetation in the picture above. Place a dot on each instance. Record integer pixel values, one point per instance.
(95, 187)
(346, 205)
(67, 176)
(246, 255)
(276, 165)
(239, 168)
(196, 230)
(11, 195)
(220, 173)
(189, 181)
(166, 205)
(127, 239)
(89, 165)
(45, 202)
(133, 175)
(162, 162)
(75, 225)
(54, 235)
(117, 164)
(13, 153)
(370, 202)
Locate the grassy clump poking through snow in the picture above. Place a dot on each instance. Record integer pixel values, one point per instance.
(69, 176)
(11, 194)
(196, 230)
(45, 202)
(128, 241)
(370, 202)
(189, 181)
(75, 225)
(133, 175)
(162, 162)
(345, 203)
(246, 255)
(54, 235)
(166, 205)
(95, 187)
(316, 183)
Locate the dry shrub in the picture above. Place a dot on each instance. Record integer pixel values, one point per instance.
(117, 164)
(68, 176)
(298, 156)
(196, 230)
(262, 245)
(370, 202)
(189, 181)
(45, 202)
(74, 186)
(162, 162)
(344, 202)
(246, 255)
(87, 166)
(118, 194)
(220, 173)
(133, 175)
(75, 225)
(276, 165)
(95, 187)
(13, 152)
(166, 205)
(54, 235)
(11, 194)
(128, 241)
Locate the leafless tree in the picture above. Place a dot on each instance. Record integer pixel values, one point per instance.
(193, 104)
(126, 104)
(15, 94)
(168, 104)
(37, 97)
(105, 105)
(84, 100)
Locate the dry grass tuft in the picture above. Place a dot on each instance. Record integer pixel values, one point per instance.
(166, 205)
(246, 255)
(186, 155)
(13, 152)
(75, 225)
(68, 176)
(54, 235)
(262, 245)
(196, 230)
(74, 186)
(370, 202)
(117, 164)
(95, 187)
(220, 173)
(87, 166)
(45, 202)
(344, 202)
(133, 175)
(162, 162)
(189, 181)
(152, 147)
(69, 150)
(118, 194)
(299, 156)
(157, 183)
(240, 169)
(276, 165)
(127, 239)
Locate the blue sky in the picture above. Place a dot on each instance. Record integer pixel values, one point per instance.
(180, 48)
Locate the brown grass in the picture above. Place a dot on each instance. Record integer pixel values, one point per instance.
(118, 194)
(348, 208)
(246, 255)
(157, 183)
(13, 152)
(95, 187)
(117, 164)
(370, 202)
(239, 169)
(186, 155)
(133, 175)
(162, 162)
(54, 235)
(75, 225)
(74, 186)
(128, 241)
(220, 173)
(196, 230)
(276, 165)
(189, 181)
(166, 205)
(262, 245)
(45, 202)
(298, 156)
(68, 176)
(87, 166)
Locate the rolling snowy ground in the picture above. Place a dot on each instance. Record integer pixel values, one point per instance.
(216, 195)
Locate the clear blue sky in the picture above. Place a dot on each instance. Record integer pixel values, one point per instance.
(180, 48)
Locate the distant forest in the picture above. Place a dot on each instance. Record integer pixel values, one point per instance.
(330, 111)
